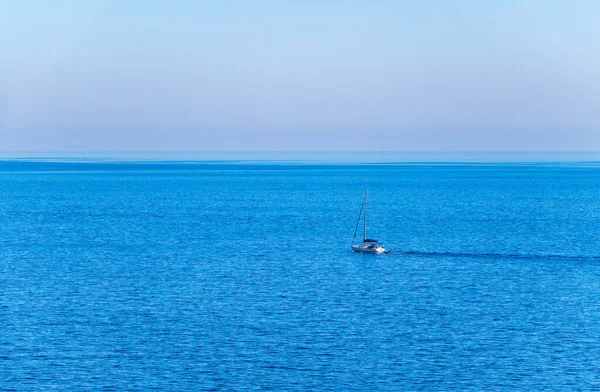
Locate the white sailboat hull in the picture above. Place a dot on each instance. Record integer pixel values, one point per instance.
(368, 249)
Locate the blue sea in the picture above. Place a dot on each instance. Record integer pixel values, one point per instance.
(234, 272)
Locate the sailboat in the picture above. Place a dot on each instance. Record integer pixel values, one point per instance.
(369, 245)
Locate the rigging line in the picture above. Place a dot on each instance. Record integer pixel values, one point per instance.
(358, 221)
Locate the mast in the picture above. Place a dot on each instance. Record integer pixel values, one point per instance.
(365, 220)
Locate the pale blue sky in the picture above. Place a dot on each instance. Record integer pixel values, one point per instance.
(300, 75)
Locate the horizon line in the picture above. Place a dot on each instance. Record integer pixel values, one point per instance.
(297, 151)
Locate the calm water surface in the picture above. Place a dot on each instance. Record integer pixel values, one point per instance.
(215, 276)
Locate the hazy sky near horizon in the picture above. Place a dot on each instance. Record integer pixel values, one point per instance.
(300, 75)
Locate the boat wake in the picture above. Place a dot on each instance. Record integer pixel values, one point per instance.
(514, 256)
